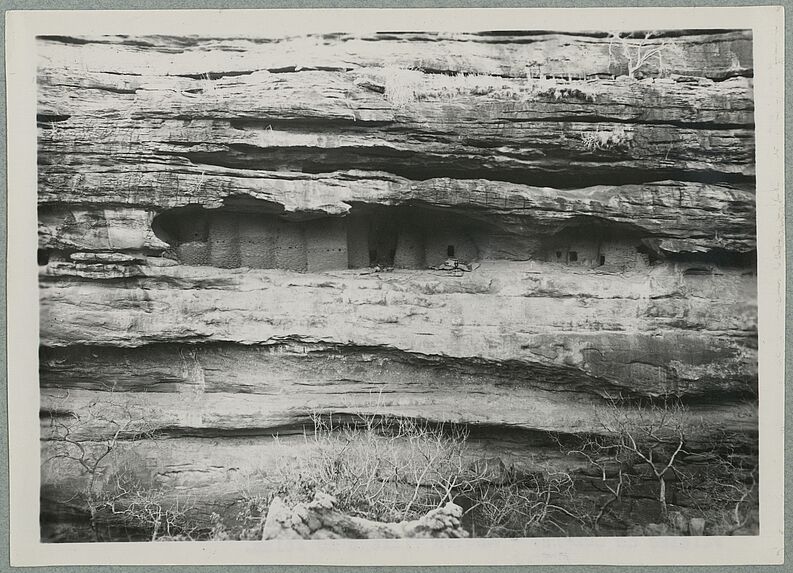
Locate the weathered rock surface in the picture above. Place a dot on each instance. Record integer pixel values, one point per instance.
(534, 136)
(204, 378)
(210, 357)
(650, 332)
(322, 136)
(319, 519)
(711, 54)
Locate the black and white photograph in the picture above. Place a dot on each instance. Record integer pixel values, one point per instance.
(399, 282)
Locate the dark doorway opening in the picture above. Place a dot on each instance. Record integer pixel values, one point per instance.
(383, 231)
(42, 257)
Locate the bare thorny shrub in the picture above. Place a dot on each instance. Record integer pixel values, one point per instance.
(71, 437)
(163, 516)
(393, 468)
(111, 491)
(525, 506)
(611, 469)
(634, 436)
(725, 492)
(640, 51)
(639, 443)
(652, 436)
(645, 443)
(380, 467)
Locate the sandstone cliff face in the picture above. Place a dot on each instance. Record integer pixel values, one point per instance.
(609, 222)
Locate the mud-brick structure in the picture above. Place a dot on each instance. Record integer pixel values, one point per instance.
(407, 238)
(595, 243)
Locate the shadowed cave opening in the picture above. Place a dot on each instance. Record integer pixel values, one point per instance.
(42, 257)
(260, 235)
(718, 257)
(592, 242)
(247, 232)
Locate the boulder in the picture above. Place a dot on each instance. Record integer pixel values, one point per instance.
(696, 526)
(319, 519)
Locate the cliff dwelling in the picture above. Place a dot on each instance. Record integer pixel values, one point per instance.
(259, 235)
(401, 237)
(595, 243)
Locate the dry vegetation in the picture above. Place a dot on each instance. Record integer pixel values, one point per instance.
(641, 50)
(648, 450)
(391, 469)
(617, 138)
(404, 86)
